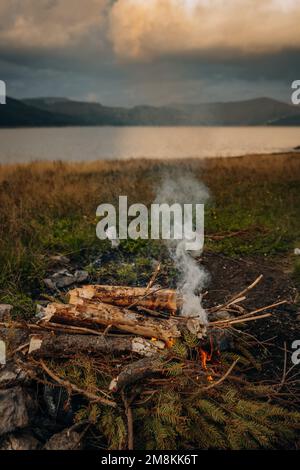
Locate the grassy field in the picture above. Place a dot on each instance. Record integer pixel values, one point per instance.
(49, 208)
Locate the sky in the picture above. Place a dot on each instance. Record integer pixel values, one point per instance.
(129, 52)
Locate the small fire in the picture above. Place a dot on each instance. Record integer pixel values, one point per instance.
(206, 357)
(170, 343)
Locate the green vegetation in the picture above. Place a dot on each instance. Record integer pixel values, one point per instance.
(180, 411)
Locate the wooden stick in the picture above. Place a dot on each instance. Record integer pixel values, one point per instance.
(236, 296)
(129, 416)
(154, 276)
(244, 320)
(74, 388)
(254, 312)
(224, 376)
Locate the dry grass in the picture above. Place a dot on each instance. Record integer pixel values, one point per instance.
(49, 207)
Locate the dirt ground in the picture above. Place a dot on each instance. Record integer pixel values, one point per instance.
(231, 275)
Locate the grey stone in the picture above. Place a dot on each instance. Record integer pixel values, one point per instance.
(13, 409)
(12, 375)
(50, 284)
(65, 440)
(60, 260)
(20, 441)
(81, 276)
(64, 278)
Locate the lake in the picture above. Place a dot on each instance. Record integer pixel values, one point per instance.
(93, 143)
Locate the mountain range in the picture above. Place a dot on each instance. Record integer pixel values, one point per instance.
(46, 112)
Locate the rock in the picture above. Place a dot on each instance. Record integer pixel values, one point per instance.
(13, 337)
(56, 401)
(12, 375)
(49, 284)
(20, 441)
(13, 410)
(297, 251)
(81, 276)
(5, 311)
(59, 260)
(65, 440)
(64, 278)
(221, 315)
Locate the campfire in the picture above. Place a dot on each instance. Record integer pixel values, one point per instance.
(101, 319)
(134, 335)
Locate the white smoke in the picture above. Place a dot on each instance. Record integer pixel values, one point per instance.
(193, 277)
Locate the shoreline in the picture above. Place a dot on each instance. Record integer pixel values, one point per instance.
(292, 152)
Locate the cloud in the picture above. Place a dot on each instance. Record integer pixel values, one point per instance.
(49, 24)
(149, 29)
(167, 50)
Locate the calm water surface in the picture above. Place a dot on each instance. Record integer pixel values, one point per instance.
(92, 143)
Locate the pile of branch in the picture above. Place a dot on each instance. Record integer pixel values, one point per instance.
(100, 320)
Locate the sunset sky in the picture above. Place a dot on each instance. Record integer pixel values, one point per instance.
(131, 52)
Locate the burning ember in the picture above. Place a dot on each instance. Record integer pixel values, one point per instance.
(207, 357)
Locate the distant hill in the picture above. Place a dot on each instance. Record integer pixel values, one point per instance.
(16, 113)
(97, 114)
(259, 111)
(51, 111)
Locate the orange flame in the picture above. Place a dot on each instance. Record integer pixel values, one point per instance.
(205, 357)
(170, 343)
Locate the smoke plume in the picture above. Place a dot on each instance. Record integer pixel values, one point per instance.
(192, 276)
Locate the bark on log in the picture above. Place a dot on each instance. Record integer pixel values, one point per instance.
(91, 314)
(134, 372)
(122, 296)
(64, 346)
(44, 344)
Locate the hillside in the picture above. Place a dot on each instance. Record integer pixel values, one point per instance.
(19, 114)
(65, 112)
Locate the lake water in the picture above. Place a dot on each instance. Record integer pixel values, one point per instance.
(92, 143)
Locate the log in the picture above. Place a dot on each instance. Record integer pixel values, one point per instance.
(44, 344)
(135, 372)
(122, 296)
(92, 314)
(64, 346)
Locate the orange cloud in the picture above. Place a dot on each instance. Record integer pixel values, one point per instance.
(49, 23)
(145, 29)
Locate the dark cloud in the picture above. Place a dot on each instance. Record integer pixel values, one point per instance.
(86, 50)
